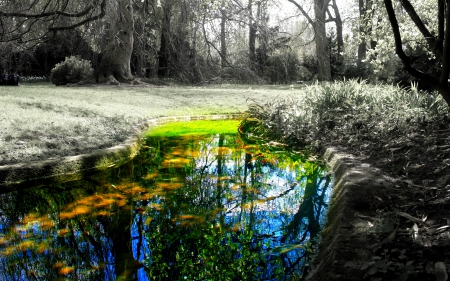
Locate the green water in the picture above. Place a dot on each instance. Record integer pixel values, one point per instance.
(204, 207)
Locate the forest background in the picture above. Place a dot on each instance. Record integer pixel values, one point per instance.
(217, 41)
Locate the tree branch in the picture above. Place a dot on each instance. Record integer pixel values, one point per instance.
(47, 14)
(446, 52)
(399, 46)
(305, 14)
(83, 22)
(441, 19)
(431, 40)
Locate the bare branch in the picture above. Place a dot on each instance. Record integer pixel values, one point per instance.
(83, 22)
(47, 14)
(304, 13)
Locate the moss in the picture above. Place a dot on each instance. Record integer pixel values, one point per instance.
(200, 127)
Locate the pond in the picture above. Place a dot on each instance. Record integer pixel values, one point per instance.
(195, 207)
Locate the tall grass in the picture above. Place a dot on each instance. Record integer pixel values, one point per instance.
(347, 111)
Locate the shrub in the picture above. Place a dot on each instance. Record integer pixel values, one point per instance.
(339, 110)
(283, 67)
(311, 63)
(72, 70)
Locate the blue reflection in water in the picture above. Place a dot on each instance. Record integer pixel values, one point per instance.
(195, 208)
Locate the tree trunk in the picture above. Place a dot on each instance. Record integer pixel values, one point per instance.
(339, 28)
(441, 50)
(164, 49)
(115, 64)
(252, 33)
(322, 51)
(362, 48)
(223, 46)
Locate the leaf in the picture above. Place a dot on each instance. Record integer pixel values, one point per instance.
(415, 231)
(442, 227)
(390, 238)
(286, 248)
(440, 271)
(366, 265)
(409, 217)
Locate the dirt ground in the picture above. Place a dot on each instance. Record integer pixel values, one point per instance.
(411, 221)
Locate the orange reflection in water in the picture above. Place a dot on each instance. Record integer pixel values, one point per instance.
(175, 163)
(166, 186)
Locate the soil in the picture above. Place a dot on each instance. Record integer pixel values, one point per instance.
(410, 220)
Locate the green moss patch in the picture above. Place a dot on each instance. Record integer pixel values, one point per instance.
(201, 127)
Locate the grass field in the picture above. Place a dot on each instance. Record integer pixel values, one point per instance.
(41, 121)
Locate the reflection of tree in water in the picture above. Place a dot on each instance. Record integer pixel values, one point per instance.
(191, 208)
(40, 245)
(229, 233)
(64, 231)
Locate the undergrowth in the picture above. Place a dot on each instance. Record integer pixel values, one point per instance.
(347, 112)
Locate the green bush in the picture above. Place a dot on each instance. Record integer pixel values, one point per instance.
(72, 70)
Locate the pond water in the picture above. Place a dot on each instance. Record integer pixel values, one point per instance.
(187, 208)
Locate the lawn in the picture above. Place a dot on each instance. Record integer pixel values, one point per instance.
(41, 121)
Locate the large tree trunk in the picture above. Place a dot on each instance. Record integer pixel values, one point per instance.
(322, 51)
(165, 48)
(115, 63)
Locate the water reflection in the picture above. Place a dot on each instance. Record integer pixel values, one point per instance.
(192, 208)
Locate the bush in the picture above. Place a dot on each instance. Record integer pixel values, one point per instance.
(311, 63)
(283, 67)
(72, 70)
(335, 111)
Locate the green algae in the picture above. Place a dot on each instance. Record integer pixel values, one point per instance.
(200, 127)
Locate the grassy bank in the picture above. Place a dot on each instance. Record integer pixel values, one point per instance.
(40, 121)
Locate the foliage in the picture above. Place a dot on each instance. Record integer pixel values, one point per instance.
(72, 70)
(336, 59)
(337, 110)
(384, 62)
(311, 63)
(390, 264)
(283, 67)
